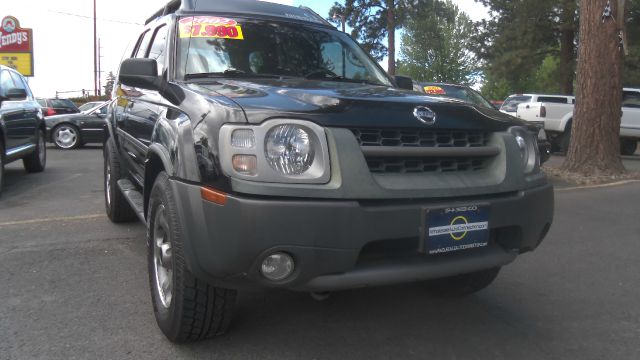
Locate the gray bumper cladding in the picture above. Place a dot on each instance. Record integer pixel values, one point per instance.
(347, 244)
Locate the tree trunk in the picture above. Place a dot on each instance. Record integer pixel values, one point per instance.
(391, 32)
(595, 139)
(567, 46)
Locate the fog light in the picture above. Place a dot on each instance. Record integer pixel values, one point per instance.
(277, 266)
(245, 164)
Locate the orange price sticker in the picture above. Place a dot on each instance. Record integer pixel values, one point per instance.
(210, 27)
(434, 90)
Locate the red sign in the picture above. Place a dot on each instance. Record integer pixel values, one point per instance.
(16, 46)
(13, 38)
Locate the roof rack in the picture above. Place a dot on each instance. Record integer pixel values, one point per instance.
(171, 7)
(306, 8)
(253, 6)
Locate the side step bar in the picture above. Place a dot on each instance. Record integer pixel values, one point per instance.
(133, 196)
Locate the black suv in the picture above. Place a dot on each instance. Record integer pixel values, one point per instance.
(52, 107)
(21, 124)
(264, 148)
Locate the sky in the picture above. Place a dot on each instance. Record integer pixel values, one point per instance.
(63, 36)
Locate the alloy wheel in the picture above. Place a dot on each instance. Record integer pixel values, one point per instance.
(162, 257)
(66, 137)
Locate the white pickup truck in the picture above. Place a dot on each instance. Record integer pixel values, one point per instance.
(557, 114)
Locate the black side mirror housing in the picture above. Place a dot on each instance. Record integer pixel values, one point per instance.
(404, 82)
(143, 74)
(140, 73)
(16, 94)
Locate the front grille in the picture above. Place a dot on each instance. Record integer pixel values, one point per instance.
(437, 164)
(421, 138)
(470, 142)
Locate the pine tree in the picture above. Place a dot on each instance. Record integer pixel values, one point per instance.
(594, 149)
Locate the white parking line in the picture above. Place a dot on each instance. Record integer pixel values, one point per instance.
(37, 221)
(617, 183)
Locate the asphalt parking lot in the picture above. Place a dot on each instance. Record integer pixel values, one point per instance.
(74, 286)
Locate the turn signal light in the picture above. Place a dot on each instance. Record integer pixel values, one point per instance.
(215, 196)
(245, 164)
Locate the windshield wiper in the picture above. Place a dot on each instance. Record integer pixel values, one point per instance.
(229, 73)
(328, 75)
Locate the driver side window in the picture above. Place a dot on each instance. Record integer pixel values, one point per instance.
(631, 99)
(342, 61)
(6, 82)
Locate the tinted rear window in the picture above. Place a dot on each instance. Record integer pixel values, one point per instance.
(62, 103)
(552, 99)
(511, 104)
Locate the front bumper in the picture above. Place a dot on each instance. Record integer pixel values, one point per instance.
(346, 244)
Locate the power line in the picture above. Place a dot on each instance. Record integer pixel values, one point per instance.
(91, 17)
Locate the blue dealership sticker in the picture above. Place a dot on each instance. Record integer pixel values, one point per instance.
(456, 228)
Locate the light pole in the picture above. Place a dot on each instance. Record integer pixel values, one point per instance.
(95, 52)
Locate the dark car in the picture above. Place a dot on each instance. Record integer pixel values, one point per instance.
(21, 124)
(467, 94)
(52, 107)
(263, 148)
(74, 130)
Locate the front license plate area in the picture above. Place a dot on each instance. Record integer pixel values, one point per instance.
(456, 228)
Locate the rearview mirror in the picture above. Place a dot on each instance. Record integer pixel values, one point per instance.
(140, 73)
(404, 82)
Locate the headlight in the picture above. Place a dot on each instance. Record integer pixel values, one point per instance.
(278, 151)
(528, 146)
(289, 150)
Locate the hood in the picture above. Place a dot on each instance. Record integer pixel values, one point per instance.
(342, 104)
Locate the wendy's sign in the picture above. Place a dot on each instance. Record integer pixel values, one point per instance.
(16, 46)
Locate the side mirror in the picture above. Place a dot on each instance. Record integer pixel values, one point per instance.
(16, 94)
(404, 82)
(140, 73)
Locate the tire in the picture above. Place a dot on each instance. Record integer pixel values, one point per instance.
(37, 161)
(462, 285)
(1, 165)
(565, 139)
(628, 146)
(186, 308)
(66, 137)
(117, 208)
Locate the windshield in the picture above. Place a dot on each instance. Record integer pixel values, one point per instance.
(88, 106)
(458, 92)
(511, 104)
(250, 48)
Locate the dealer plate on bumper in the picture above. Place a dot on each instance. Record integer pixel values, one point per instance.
(454, 229)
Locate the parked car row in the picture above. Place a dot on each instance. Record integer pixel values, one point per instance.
(52, 107)
(22, 129)
(555, 112)
(470, 96)
(26, 123)
(71, 131)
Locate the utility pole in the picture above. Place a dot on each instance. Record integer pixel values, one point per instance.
(99, 70)
(343, 20)
(95, 52)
